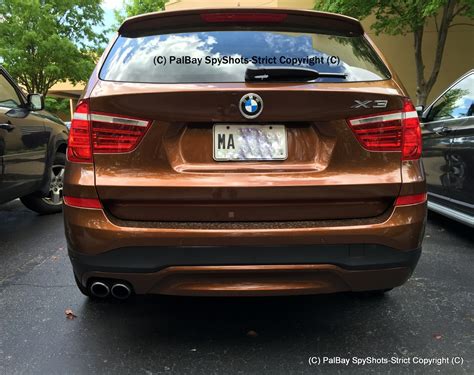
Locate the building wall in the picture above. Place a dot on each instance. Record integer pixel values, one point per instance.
(458, 54)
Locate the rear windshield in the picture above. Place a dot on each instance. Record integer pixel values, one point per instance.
(224, 56)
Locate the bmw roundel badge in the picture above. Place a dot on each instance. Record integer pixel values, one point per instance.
(251, 105)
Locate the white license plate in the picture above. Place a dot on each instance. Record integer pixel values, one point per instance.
(234, 142)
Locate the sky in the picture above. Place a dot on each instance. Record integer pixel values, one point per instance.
(109, 18)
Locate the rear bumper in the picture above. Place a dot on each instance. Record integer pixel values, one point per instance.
(259, 280)
(245, 261)
(91, 232)
(250, 271)
(156, 259)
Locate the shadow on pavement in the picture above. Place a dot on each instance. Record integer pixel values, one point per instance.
(198, 321)
(451, 226)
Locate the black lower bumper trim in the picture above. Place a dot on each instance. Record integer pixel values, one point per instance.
(152, 259)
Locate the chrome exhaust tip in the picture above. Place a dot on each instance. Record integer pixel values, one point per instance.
(121, 291)
(99, 289)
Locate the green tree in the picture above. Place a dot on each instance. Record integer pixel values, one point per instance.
(56, 106)
(43, 42)
(401, 17)
(136, 7)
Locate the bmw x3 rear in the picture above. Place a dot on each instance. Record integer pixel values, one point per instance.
(243, 152)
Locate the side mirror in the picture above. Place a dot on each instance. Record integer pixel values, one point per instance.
(35, 102)
(420, 109)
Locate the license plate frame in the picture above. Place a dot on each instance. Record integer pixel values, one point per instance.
(248, 141)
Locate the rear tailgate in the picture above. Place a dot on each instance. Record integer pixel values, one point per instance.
(172, 176)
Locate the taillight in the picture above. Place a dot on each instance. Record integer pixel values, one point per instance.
(412, 140)
(99, 133)
(79, 148)
(243, 17)
(114, 133)
(392, 131)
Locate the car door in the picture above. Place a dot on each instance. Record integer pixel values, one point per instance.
(23, 143)
(437, 128)
(461, 158)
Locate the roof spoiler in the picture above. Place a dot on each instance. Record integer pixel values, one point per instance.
(241, 18)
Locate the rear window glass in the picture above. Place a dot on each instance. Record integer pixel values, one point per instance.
(223, 56)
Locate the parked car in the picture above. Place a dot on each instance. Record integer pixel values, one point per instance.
(32, 149)
(448, 151)
(243, 152)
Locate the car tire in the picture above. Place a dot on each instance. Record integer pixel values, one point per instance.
(53, 202)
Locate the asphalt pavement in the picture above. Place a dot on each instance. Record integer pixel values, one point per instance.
(428, 320)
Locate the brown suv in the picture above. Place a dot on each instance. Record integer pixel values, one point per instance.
(243, 152)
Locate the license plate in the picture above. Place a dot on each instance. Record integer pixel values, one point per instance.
(234, 142)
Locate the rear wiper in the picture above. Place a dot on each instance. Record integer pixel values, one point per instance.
(286, 74)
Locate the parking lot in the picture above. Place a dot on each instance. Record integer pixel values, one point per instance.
(432, 316)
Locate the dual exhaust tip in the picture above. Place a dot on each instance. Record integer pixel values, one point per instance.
(100, 289)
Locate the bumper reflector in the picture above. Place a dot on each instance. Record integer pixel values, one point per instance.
(406, 200)
(82, 202)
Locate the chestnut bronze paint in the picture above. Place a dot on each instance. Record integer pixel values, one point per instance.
(169, 196)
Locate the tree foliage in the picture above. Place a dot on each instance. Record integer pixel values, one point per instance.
(43, 42)
(56, 106)
(401, 17)
(136, 7)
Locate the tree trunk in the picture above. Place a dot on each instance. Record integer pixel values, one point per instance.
(423, 87)
(421, 93)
